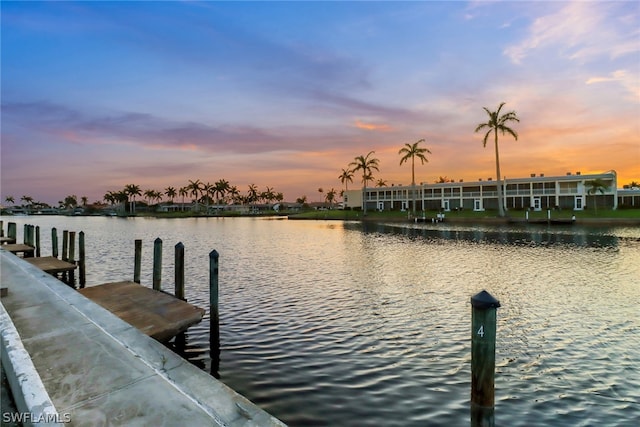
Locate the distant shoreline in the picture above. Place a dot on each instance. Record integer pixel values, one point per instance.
(371, 218)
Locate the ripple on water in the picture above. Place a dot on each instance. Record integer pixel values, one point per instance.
(340, 324)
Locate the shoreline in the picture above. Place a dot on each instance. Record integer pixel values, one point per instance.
(323, 216)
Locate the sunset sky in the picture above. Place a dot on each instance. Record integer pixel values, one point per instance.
(97, 95)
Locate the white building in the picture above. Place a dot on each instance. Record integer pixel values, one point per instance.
(537, 192)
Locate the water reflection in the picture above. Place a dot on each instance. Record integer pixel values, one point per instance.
(525, 235)
(331, 323)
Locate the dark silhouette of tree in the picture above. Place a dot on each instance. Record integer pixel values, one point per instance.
(498, 123)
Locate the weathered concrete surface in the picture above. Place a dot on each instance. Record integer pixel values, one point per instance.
(99, 370)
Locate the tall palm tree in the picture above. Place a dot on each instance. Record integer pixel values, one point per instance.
(171, 193)
(330, 197)
(346, 177)
(411, 151)
(596, 186)
(234, 193)
(252, 195)
(366, 164)
(149, 194)
(195, 187)
(183, 192)
(122, 197)
(132, 190)
(221, 189)
(498, 123)
(208, 191)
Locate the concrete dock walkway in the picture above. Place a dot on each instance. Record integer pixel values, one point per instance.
(66, 355)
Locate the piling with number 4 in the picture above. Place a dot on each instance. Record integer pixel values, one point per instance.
(483, 358)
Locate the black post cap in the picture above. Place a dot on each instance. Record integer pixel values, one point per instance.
(484, 300)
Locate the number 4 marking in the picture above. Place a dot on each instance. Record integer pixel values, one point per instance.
(481, 331)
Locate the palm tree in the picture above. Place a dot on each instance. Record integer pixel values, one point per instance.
(330, 197)
(366, 164)
(411, 151)
(381, 183)
(194, 188)
(208, 191)
(596, 186)
(10, 199)
(268, 195)
(497, 123)
(252, 195)
(84, 200)
(122, 197)
(183, 192)
(222, 187)
(132, 190)
(235, 194)
(28, 201)
(149, 194)
(170, 193)
(346, 177)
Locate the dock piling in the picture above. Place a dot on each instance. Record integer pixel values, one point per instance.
(157, 264)
(72, 258)
(81, 260)
(38, 241)
(54, 242)
(483, 359)
(137, 260)
(12, 231)
(214, 321)
(65, 245)
(179, 271)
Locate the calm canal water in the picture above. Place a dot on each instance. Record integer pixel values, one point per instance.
(341, 324)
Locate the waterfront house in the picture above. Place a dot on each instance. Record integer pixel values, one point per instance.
(537, 192)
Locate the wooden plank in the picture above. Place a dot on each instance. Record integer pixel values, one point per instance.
(159, 315)
(4, 240)
(15, 248)
(51, 265)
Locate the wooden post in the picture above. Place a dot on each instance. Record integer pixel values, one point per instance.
(54, 242)
(65, 245)
(28, 239)
(179, 271)
(137, 260)
(157, 264)
(72, 258)
(37, 240)
(25, 234)
(214, 320)
(81, 260)
(12, 231)
(72, 246)
(1, 228)
(483, 359)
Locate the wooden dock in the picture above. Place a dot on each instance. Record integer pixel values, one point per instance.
(155, 313)
(16, 248)
(51, 265)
